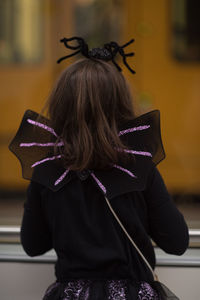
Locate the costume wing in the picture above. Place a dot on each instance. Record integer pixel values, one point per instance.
(143, 137)
(34, 147)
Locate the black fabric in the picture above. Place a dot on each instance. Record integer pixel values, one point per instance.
(115, 181)
(89, 242)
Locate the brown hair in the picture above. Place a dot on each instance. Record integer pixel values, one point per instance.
(88, 103)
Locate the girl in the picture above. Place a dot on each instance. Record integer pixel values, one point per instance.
(96, 148)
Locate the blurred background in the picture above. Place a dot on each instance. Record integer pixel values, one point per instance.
(167, 64)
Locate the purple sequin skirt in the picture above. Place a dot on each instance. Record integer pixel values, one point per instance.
(86, 289)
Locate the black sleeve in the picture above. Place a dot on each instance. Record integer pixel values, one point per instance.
(35, 234)
(167, 226)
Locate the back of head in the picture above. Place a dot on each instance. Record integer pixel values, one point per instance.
(87, 105)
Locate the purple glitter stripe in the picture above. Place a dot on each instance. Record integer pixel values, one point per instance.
(45, 127)
(137, 152)
(87, 293)
(102, 187)
(41, 144)
(125, 170)
(122, 132)
(146, 292)
(78, 289)
(117, 290)
(61, 177)
(44, 160)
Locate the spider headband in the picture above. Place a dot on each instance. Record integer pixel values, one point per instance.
(107, 53)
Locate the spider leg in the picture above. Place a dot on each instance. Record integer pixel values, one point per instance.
(126, 64)
(81, 45)
(114, 48)
(114, 45)
(129, 54)
(125, 45)
(116, 65)
(65, 41)
(64, 57)
(84, 48)
(113, 53)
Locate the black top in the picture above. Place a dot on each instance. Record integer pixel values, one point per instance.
(89, 242)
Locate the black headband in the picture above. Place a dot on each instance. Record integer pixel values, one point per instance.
(107, 53)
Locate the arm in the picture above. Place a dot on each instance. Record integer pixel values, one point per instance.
(35, 235)
(167, 225)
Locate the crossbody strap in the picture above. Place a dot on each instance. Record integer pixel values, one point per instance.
(131, 240)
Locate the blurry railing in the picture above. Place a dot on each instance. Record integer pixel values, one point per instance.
(11, 250)
(10, 230)
(11, 234)
(15, 253)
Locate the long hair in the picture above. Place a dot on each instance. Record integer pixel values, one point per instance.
(87, 105)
